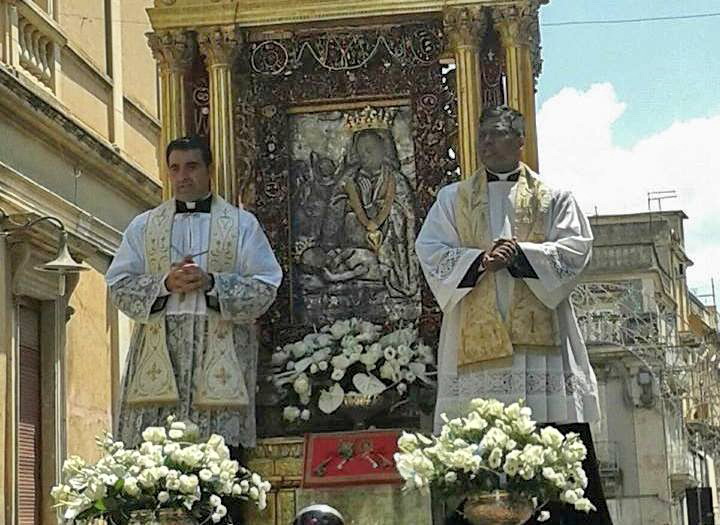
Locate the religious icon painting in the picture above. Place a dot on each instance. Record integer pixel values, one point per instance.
(352, 209)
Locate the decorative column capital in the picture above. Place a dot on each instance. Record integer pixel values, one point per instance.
(519, 26)
(464, 26)
(219, 44)
(174, 50)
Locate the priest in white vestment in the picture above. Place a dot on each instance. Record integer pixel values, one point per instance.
(502, 251)
(194, 274)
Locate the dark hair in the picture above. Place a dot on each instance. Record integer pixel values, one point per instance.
(508, 118)
(191, 142)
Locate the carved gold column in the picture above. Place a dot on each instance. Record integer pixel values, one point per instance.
(219, 45)
(520, 37)
(464, 29)
(174, 52)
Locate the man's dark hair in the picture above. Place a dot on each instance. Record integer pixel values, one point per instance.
(508, 118)
(190, 143)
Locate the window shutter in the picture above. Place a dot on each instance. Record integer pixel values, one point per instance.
(29, 428)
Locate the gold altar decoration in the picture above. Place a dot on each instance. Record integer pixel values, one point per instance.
(161, 517)
(219, 26)
(520, 37)
(219, 45)
(214, 38)
(497, 509)
(174, 51)
(465, 28)
(280, 461)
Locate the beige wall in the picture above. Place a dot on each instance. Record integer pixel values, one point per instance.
(53, 168)
(86, 94)
(88, 366)
(45, 5)
(49, 168)
(89, 83)
(141, 138)
(6, 343)
(139, 80)
(139, 71)
(84, 23)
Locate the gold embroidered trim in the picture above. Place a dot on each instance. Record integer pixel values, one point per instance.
(220, 381)
(484, 335)
(153, 381)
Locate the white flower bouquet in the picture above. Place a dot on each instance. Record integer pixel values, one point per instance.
(350, 358)
(169, 470)
(497, 447)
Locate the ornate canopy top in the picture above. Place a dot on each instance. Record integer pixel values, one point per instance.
(171, 14)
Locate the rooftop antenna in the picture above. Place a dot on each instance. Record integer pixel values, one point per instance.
(711, 296)
(659, 196)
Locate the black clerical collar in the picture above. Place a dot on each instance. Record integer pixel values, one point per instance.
(201, 206)
(510, 176)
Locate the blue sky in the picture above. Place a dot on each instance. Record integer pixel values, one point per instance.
(663, 70)
(630, 108)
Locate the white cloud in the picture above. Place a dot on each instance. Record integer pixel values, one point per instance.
(577, 152)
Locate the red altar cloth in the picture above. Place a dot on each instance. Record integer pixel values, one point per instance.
(350, 458)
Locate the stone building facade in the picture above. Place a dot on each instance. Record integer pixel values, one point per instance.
(652, 345)
(84, 102)
(79, 129)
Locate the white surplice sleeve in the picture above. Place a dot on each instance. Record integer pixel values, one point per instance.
(132, 290)
(559, 261)
(246, 294)
(443, 260)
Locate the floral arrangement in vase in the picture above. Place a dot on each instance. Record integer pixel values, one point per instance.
(169, 474)
(495, 456)
(349, 363)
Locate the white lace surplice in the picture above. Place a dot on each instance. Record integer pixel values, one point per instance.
(243, 296)
(560, 385)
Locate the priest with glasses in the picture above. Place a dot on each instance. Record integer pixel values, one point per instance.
(502, 250)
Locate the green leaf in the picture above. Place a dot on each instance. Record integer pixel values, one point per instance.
(88, 514)
(100, 505)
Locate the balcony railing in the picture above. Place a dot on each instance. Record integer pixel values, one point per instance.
(35, 42)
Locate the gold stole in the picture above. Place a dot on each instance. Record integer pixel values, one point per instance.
(484, 335)
(219, 381)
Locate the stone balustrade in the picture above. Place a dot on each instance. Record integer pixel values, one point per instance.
(37, 55)
(35, 42)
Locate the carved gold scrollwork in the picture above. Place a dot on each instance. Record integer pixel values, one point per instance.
(519, 27)
(172, 50)
(519, 32)
(464, 26)
(219, 44)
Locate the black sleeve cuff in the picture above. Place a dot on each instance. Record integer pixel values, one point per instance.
(159, 304)
(473, 273)
(521, 267)
(212, 302)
